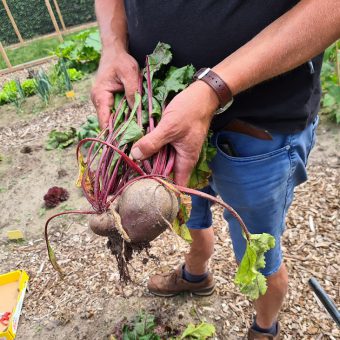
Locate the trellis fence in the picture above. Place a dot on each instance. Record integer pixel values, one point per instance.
(58, 32)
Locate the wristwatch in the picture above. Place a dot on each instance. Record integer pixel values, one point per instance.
(221, 89)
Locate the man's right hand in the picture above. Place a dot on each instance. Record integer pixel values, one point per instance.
(117, 72)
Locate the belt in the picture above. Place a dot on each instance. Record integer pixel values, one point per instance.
(240, 126)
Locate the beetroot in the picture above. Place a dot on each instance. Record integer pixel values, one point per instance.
(134, 202)
(146, 209)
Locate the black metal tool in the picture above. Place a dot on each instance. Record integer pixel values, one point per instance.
(327, 302)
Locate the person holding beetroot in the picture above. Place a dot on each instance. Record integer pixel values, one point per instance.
(257, 88)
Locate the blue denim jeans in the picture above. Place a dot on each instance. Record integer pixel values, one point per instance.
(257, 178)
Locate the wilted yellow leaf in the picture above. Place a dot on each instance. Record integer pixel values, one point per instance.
(89, 180)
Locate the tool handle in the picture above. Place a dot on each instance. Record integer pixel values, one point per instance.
(325, 300)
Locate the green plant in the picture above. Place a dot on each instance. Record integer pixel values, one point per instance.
(28, 87)
(57, 82)
(200, 332)
(33, 18)
(82, 52)
(62, 72)
(146, 327)
(74, 74)
(60, 139)
(330, 103)
(20, 95)
(89, 129)
(43, 86)
(4, 98)
(143, 328)
(11, 90)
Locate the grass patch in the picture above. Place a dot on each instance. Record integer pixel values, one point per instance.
(35, 50)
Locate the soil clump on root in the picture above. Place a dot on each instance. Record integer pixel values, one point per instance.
(123, 252)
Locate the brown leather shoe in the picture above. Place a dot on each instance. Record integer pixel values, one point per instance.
(171, 284)
(254, 335)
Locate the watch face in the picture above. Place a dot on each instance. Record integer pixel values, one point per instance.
(224, 108)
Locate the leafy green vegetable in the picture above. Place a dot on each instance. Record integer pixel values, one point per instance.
(90, 129)
(132, 115)
(43, 86)
(199, 178)
(74, 74)
(20, 96)
(132, 133)
(28, 87)
(4, 98)
(250, 281)
(160, 56)
(142, 328)
(176, 79)
(9, 92)
(200, 332)
(60, 140)
(83, 52)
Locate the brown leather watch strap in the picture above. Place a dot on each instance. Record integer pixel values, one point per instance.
(216, 83)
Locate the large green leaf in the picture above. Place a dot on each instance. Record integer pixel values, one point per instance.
(60, 139)
(93, 40)
(159, 57)
(132, 133)
(177, 79)
(200, 332)
(199, 178)
(250, 281)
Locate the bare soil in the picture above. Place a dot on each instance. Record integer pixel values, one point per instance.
(90, 301)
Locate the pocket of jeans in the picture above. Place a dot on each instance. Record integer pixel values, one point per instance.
(270, 167)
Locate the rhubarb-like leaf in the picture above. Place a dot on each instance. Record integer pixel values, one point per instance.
(248, 277)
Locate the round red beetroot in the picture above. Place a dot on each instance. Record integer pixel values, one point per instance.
(146, 207)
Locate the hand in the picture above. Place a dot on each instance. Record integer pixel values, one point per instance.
(184, 125)
(117, 72)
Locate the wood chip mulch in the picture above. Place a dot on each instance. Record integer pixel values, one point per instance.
(91, 300)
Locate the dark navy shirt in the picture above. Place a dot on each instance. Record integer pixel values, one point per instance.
(204, 32)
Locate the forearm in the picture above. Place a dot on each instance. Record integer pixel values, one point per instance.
(300, 34)
(111, 19)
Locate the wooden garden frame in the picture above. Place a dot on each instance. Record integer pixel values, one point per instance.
(58, 32)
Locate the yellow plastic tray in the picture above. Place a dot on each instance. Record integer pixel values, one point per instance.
(21, 277)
